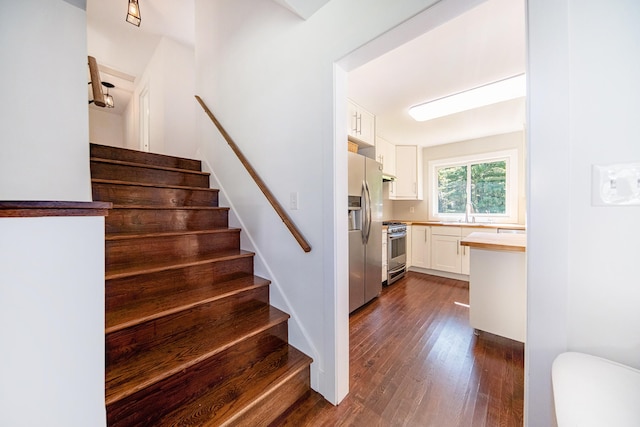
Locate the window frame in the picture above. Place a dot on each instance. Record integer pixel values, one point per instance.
(511, 191)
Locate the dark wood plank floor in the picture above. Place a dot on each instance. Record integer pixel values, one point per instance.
(416, 362)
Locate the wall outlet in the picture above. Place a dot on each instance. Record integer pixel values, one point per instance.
(293, 200)
(615, 185)
(412, 209)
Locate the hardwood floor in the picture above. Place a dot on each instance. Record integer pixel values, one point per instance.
(416, 362)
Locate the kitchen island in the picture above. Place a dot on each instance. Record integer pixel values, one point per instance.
(497, 283)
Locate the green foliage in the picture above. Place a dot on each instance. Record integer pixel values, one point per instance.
(452, 189)
(488, 185)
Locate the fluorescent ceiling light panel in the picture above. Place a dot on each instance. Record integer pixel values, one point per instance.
(492, 93)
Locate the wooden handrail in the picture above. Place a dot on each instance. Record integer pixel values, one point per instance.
(263, 187)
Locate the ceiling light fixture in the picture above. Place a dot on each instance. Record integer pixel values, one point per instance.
(108, 99)
(133, 13)
(492, 93)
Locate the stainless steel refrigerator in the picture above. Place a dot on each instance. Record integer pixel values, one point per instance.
(365, 230)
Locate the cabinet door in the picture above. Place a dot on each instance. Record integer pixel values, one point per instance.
(361, 124)
(465, 261)
(386, 154)
(445, 253)
(408, 175)
(420, 245)
(367, 127)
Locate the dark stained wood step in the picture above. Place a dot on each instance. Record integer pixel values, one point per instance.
(156, 219)
(168, 280)
(221, 383)
(144, 355)
(254, 397)
(127, 193)
(125, 154)
(135, 172)
(144, 306)
(152, 266)
(131, 250)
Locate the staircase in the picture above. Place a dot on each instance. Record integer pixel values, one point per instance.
(191, 339)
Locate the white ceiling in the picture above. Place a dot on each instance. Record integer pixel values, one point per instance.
(124, 50)
(483, 45)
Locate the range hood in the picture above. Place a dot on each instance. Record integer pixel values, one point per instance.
(388, 177)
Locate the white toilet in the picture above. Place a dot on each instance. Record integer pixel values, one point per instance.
(592, 391)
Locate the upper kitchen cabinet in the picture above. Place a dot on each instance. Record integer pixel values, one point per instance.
(408, 183)
(361, 125)
(384, 152)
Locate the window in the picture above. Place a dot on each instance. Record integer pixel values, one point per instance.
(486, 184)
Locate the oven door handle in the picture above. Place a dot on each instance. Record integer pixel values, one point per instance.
(399, 235)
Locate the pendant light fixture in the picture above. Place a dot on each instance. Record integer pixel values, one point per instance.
(108, 99)
(133, 13)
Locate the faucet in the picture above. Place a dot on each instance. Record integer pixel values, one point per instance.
(469, 210)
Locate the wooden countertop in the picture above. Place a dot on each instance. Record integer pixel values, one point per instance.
(467, 224)
(496, 241)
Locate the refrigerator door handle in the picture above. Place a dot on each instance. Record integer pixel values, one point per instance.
(368, 211)
(363, 228)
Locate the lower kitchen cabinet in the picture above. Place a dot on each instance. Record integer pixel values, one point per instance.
(465, 261)
(446, 252)
(421, 246)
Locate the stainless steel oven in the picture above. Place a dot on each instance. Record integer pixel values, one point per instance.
(396, 251)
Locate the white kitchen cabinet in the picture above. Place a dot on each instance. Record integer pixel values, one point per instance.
(361, 125)
(386, 154)
(408, 183)
(445, 253)
(421, 246)
(465, 251)
(384, 255)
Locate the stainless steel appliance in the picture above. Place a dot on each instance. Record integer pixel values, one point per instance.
(396, 251)
(365, 230)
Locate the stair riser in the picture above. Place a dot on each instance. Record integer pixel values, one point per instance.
(113, 153)
(120, 194)
(156, 334)
(124, 220)
(146, 175)
(148, 406)
(269, 409)
(131, 252)
(168, 282)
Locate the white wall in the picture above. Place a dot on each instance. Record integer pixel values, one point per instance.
(270, 79)
(582, 283)
(44, 153)
(170, 79)
(51, 269)
(507, 141)
(106, 128)
(52, 322)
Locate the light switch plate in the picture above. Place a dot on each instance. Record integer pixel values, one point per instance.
(616, 184)
(293, 200)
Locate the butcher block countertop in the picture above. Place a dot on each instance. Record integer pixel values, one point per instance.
(467, 224)
(496, 241)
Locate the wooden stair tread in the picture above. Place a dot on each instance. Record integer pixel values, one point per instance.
(170, 207)
(188, 347)
(131, 236)
(148, 166)
(224, 405)
(154, 307)
(115, 153)
(145, 184)
(152, 267)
